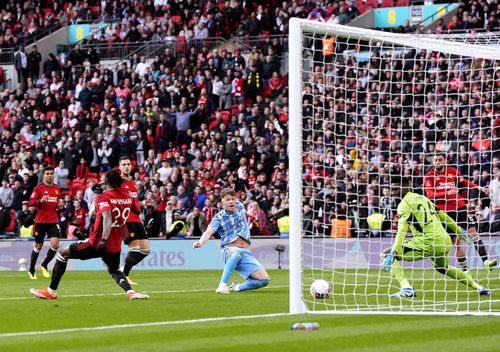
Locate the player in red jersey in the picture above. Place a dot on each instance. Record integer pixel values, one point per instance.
(136, 237)
(45, 198)
(105, 242)
(441, 186)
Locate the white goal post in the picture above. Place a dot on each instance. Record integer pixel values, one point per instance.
(348, 263)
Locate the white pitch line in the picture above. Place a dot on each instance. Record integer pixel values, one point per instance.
(124, 326)
(122, 293)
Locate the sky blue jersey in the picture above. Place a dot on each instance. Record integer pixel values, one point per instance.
(230, 226)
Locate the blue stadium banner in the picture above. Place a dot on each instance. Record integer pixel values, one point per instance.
(78, 32)
(397, 16)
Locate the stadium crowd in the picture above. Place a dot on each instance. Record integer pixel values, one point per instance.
(198, 123)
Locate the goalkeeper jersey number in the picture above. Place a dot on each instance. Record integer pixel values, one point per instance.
(421, 214)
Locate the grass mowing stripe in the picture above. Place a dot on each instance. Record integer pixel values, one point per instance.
(123, 326)
(123, 293)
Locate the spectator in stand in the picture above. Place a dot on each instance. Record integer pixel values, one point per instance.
(6, 194)
(61, 176)
(21, 65)
(259, 225)
(82, 171)
(34, 60)
(196, 223)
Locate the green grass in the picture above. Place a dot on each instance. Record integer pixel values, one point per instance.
(105, 305)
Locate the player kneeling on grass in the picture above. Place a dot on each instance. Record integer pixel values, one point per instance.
(430, 240)
(232, 226)
(113, 208)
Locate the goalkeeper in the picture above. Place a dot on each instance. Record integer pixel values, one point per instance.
(430, 240)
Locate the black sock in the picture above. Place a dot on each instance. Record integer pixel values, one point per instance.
(133, 258)
(121, 280)
(481, 249)
(50, 255)
(462, 261)
(57, 273)
(34, 257)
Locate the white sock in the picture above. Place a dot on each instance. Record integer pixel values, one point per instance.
(51, 291)
(222, 285)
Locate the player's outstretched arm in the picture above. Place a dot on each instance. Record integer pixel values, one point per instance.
(397, 247)
(204, 238)
(449, 223)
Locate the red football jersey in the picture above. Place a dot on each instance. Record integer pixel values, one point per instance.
(438, 184)
(131, 188)
(46, 211)
(119, 204)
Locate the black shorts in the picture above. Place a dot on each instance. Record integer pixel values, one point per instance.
(135, 231)
(464, 220)
(51, 230)
(83, 250)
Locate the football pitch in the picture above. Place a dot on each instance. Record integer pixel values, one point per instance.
(185, 314)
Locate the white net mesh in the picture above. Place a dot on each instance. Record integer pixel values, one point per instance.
(375, 110)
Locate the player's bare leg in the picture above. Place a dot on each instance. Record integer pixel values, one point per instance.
(459, 253)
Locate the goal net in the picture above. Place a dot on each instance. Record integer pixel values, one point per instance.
(369, 112)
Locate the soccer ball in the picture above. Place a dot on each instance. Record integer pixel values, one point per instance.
(320, 289)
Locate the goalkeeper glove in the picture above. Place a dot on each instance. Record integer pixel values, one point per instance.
(388, 260)
(101, 248)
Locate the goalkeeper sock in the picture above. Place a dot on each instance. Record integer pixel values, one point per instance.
(462, 261)
(397, 272)
(231, 264)
(462, 277)
(50, 255)
(58, 272)
(481, 249)
(252, 284)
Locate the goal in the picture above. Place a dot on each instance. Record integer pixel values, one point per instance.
(368, 112)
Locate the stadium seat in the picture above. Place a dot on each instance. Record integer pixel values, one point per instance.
(176, 19)
(234, 109)
(225, 117)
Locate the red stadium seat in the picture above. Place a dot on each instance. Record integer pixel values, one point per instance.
(225, 117)
(176, 18)
(234, 109)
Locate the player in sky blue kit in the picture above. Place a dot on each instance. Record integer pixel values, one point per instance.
(232, 226)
